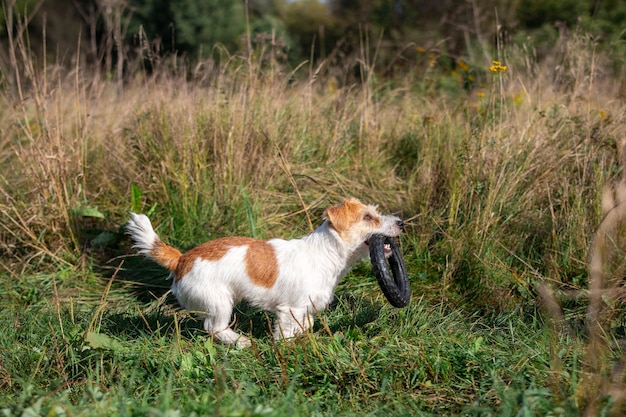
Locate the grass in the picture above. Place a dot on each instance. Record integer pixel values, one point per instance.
(370, 359)
(504, 183)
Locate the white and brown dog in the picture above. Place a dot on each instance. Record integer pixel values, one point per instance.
(293, 278)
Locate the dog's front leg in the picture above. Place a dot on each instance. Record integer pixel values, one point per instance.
(291, 322)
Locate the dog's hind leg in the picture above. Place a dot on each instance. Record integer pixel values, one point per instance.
(217, 323)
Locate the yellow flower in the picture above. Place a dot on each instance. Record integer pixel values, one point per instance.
(332, 85)
(462, 65)
(604, 116)
(420, 49)
(496, 66)
(480, 94)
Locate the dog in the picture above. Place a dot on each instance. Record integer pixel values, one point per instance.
(292, 278)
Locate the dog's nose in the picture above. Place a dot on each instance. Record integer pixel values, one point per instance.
(400, 224)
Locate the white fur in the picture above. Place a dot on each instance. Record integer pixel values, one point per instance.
(140, 228)
(309, 269)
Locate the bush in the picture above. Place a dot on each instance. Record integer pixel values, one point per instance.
(190, 26)
(534, 13)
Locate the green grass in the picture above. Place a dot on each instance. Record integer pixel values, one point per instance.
(117, 356)
(503, 187)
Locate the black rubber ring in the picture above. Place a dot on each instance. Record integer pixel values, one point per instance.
(396, 288)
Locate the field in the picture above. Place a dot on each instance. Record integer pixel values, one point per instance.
(507, 169)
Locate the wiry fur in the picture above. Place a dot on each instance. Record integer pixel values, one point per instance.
(292, 278)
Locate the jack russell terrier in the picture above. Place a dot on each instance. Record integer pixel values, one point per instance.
(293, 278)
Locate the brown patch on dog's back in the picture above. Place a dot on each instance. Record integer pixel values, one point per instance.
(261, 264)
(260, 259)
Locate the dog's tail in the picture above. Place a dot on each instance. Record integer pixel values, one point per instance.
(149, 244)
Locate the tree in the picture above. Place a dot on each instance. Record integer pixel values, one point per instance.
(190, 26)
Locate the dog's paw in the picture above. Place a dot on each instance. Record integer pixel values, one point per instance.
(243, 342)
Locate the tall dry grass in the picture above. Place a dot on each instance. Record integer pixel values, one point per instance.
(253, 148)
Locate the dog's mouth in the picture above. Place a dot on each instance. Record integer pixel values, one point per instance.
(386, 248)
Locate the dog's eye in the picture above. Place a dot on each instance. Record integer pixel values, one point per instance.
(368, 217)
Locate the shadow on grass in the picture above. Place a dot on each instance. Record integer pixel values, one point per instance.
(148, 283)
(349, 311)
(166, 318)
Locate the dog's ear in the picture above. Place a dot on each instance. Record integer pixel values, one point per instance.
(343, 215)
(334, 217)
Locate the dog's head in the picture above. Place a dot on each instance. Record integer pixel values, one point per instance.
(355, 222)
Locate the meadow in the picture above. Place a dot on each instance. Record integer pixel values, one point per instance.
(507, 169)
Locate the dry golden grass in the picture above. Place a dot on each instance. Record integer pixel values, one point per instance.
(531, 154)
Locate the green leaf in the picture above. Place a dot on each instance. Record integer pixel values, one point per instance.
(102, 341)
(104, 239)
(152, 210)
(135, 198)
(87, 211)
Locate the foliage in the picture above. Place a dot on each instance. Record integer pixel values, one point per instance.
(327, 32)
(534, 13)
(23, 7)
(190, 26)
(311, 26)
